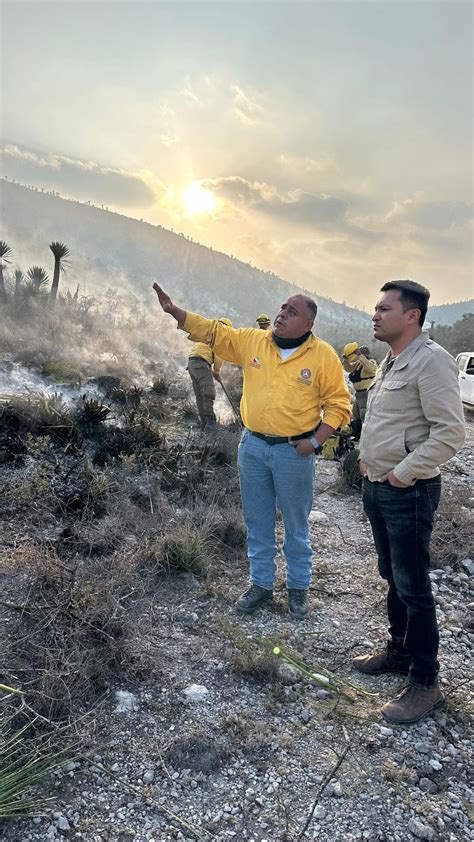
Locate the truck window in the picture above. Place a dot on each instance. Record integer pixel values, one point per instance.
(461, 360)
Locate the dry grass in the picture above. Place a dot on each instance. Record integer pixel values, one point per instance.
(452, 538)
(69, 635)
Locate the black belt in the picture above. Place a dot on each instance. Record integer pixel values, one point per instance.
(282, 439)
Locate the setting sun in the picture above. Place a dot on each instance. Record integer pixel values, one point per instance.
(198, 200)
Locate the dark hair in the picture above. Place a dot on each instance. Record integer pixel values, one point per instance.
(312, 306)
(412, 295)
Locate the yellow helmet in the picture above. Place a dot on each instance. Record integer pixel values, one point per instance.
(263, 319)
(350, 349)
(226, 322)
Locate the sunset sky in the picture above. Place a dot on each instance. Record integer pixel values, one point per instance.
(330, 142)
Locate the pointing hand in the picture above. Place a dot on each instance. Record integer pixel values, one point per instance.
(163, 298)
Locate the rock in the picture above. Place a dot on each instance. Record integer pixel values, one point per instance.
(436, 765)
(126, 702)
(287, 674)
(320, 812)
(305, 716)
(62, 823)
(422, 747)
(468, 565)
(318, 517)
(427, 785)
(196, 693)
(386, 732)
(420, 830)
(148, 777)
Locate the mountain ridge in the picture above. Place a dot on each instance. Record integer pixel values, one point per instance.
(113, 249)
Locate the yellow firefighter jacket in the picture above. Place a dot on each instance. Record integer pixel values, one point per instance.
(280, 397)
(200, 349)
(361, 372)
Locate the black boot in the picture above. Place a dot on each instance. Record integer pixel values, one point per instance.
(298, 603)
(252, 599)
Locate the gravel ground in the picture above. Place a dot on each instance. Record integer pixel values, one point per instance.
(251, 755)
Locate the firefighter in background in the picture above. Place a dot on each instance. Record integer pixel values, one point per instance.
(204, 367)
(361, 370)
(263, 321)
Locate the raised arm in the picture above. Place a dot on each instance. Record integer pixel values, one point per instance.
(167, 305)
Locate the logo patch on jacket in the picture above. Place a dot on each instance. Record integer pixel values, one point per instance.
(305, 376)
(255, 363)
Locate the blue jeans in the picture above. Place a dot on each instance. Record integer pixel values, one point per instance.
(271, 475)
(402, 522)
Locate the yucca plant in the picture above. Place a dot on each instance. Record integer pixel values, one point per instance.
(38, 277)
(5, 251)
(19, 278)
(60, 252)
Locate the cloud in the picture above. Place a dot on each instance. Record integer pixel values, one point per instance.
(81, 179)
(436, 215)
(247, 105)
(295, 206)
(303, 165)
(189, 94)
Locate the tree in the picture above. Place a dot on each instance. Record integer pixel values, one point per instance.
(5, 251)
(19, 278)
(60, 252)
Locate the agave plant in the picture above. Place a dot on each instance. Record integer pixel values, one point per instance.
(5, 251)
(60, 252)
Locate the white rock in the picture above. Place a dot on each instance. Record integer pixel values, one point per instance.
(468, 565)
(196, 692)
(126, 702)
(62, 823)
(386, 732)
(148, 777)
(318, 517)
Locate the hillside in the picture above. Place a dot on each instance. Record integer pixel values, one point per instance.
(448, 314)
(108, 248)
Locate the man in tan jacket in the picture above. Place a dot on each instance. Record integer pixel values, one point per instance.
(414, 423)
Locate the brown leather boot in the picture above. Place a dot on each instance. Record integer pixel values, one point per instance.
(412, 704)
(386, 661)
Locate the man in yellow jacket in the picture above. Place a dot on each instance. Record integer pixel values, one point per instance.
(204, 367)
(362, 371)
(294, 397)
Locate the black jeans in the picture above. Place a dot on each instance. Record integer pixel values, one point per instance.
(402, 522)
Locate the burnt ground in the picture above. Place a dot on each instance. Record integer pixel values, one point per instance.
(265, 753)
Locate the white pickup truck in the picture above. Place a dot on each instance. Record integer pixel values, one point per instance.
(465, 364)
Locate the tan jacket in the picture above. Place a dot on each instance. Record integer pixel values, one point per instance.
(414, 420)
